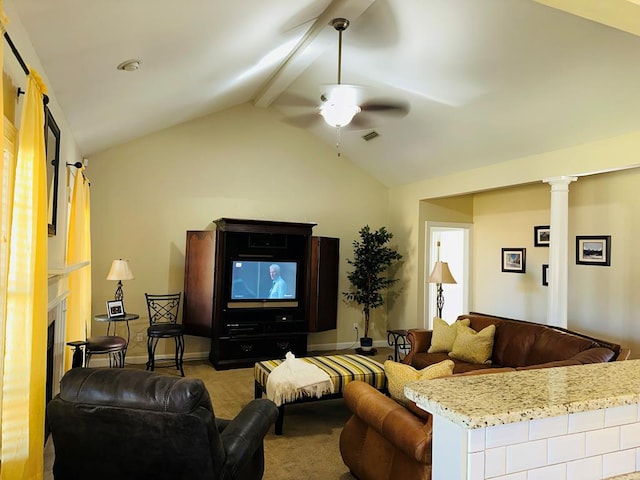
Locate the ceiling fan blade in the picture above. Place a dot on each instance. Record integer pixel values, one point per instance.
(305, 120)
(393, 107)
(360, 122)
(289, 99)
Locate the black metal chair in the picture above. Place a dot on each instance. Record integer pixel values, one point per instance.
(163, 323)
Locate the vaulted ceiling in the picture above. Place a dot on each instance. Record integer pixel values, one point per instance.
(485, 80)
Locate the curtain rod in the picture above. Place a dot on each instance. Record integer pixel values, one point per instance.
(16, 53)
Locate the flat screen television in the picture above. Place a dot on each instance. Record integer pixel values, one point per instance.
(263, 280)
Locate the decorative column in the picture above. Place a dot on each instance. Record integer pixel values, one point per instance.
(558, 251)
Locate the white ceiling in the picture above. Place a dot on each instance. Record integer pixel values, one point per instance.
(486, 80)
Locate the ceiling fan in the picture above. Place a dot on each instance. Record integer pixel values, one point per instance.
(343, 104)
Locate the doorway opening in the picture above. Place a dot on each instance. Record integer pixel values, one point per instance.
(455, 249)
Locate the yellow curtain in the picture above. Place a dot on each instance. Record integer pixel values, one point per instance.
(79, 250)
(7, 169)
(23, 401)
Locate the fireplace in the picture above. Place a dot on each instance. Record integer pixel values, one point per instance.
(50, 343)
(56, 319)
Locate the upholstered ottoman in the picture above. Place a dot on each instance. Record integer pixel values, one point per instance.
(342, 369)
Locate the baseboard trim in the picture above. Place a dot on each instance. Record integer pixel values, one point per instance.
(103, 361)
(342, 345)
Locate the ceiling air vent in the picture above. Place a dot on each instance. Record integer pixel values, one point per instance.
(371, 135)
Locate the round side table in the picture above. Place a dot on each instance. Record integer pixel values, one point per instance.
(103, 317)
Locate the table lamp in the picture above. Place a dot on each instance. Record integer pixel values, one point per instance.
(119, 271)
(439, 275)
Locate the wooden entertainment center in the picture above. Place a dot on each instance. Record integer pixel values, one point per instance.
(229, 288)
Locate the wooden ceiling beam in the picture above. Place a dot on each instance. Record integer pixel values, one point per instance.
(310, 46)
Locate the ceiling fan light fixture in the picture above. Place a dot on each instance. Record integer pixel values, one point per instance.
(337, 114)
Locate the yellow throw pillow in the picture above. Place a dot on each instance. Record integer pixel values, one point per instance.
(444, 335)
(473, 347)
(399, 374)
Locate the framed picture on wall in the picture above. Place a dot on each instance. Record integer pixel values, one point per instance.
(545, 274)
(514, 260)
(541, 235)
(593, 250)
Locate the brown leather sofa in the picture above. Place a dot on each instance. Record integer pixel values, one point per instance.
(520, 345)
(384, 440)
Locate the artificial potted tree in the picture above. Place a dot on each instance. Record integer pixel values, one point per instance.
(371, 259)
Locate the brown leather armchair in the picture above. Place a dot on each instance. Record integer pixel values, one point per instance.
(127, 423)
(384, 440)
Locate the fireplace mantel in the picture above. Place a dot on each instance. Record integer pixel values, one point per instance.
(67, 269)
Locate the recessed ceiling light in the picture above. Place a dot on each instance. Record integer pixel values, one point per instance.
(130, 65)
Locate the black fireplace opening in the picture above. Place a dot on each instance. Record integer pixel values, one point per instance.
(49, 385)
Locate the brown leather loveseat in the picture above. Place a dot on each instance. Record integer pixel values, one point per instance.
(385, 440)
(519, 345)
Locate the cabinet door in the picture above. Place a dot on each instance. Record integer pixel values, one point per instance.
(197, 312)
(323, 288)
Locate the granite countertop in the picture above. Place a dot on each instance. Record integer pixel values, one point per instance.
(476, 401)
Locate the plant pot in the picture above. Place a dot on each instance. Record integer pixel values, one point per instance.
(366, 343)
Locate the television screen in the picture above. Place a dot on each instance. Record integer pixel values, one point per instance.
(263, 280)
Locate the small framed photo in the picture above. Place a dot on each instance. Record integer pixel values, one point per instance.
(514, 260)
(593, 250)
(541, 235)
(545, 274)
(115, 308)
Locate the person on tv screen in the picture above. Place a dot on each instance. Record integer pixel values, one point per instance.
(279, 287)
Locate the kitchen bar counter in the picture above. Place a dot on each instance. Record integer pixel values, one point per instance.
(524, 395)
(566, 422)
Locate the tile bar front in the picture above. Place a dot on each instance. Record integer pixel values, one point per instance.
(567, 423)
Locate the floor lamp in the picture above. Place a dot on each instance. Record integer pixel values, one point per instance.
(439, 275)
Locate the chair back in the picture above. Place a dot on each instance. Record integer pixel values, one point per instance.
(163, 309)
(128, 423)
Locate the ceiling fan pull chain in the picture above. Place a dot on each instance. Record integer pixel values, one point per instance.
(338, 137)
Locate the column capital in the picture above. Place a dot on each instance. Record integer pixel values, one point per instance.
(563, 180)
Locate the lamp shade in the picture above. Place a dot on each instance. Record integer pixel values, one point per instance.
(120, 271)
(441, 274)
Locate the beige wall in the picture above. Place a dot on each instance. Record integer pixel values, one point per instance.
(241, 163)
(601, 299)
(505, 219)
(614, 153)
(605, 300)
